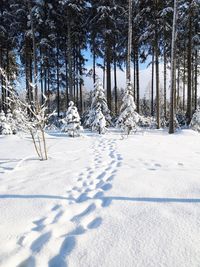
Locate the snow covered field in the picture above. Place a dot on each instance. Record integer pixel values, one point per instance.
(101, 201)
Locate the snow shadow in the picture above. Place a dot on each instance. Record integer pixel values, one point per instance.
(4, 196)
(149, 199)
(8, 164)
(65, 250)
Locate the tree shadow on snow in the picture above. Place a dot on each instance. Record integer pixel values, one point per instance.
(4, 196)
(150, 199)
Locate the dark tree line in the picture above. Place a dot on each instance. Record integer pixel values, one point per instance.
(44, 41)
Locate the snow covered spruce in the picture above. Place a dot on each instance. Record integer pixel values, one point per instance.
(7, 123)
(128, 118)
(5, 128)
(72, 122)
(195, 122)
(98, 117)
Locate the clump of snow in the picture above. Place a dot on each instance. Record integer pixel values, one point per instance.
(128, 118)
(195, 122)
(72, 123)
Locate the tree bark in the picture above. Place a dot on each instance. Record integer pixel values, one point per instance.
(173, 71)
(152, 85)
(189, 69)
(128, 71)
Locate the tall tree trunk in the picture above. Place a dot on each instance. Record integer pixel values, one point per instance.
(66, 81)
(173, 71)
(178, 86)
(184, 80)
(134, 76)
(69, 53)
(115, 84)
(58, 81)
(94, 66)
(108, 72)
(128, 71)
(152, 85)
(157, 88)
(189, 69)
(196, 77)
(2, 82)
(138, 81)
(165, 84)
(80, 83)
(35, 75)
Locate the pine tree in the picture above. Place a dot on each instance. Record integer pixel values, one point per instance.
(99, 122)
(72, 123)
(11, 121)
(195, 122)
(128, 117)
(98, 101)
(5, 128)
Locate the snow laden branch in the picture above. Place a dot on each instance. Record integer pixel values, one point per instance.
(29, 117)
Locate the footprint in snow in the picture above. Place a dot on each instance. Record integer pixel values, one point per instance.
(38, 244)
(106, 187)
(157, 165)
(65, 250)
(39, 225)
(87, 211)
(30, 262)
(180, 164)
(95, 223)
(83, 197)
(101, 176)
(57, 217)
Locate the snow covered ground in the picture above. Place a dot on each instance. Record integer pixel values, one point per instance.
(101, 201)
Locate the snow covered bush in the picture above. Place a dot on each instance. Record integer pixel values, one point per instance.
(128, 118)
(98, 102)
(72, 123)
(5, 128)
(195, 122)
(32, 118)
(147, 122)
(181, 118)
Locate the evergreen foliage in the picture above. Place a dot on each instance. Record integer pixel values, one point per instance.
(128, 118)
(72, 123)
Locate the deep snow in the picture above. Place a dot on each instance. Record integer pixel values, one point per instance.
(101, 201)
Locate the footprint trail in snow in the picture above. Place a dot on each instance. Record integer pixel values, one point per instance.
(84, 198)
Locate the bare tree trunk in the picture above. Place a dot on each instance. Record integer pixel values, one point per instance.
(157, 88)
(165, 84)
(178, 86)
(189, 68)
(134, 77)
(138, 81)
(184, 80)
(34, 55)
(94, 67)
(69, 53)
(152, 85)
(196, 77)
(58, 81)
(173, 71)
(128, 71)
(108, 72)
(115, 85)
(104, 72)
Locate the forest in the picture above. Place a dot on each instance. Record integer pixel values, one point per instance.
(99, 173)
(44, 43)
